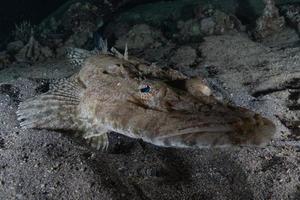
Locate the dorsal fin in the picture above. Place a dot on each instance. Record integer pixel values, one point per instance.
(116, 53)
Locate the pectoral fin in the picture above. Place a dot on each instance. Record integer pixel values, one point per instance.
(97, 140)
(57, 109)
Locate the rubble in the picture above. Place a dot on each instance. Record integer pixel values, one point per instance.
(185, 56)
(33, 52)
(292, 15)
(14, 47)
(4, 60)
(140, 36)
(210, 22)
(270, 22)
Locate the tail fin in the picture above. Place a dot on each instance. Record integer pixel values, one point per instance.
(56, 109)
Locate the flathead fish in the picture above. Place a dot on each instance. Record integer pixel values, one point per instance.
(140, 100)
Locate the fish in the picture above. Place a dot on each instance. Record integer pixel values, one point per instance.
(114, 93)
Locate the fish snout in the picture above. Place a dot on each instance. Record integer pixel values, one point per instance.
(264, 131)
(256, 130)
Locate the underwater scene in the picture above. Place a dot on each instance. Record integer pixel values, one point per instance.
(150, 99)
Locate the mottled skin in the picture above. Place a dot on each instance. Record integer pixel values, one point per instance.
(107, 95)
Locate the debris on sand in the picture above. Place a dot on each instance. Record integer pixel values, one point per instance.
(270, 22)
(33, 52)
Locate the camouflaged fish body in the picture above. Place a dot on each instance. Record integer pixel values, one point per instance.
(140, 100)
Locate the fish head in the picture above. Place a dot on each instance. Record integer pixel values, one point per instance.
(122, 82)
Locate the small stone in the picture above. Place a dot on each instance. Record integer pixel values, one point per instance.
(33, 52)
(4, 60)
(207, 26)
(46, 52)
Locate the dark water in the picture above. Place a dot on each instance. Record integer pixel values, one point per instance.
(13, 12)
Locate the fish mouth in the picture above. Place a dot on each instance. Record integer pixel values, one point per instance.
(261, 133)
(255, 131)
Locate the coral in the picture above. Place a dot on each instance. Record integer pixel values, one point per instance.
(270, 22)
(23, 31)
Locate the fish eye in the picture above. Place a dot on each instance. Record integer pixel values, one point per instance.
(145, 89)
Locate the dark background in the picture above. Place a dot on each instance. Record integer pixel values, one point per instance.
(15, 11)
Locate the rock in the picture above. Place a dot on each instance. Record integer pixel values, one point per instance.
(160, 54)
(185, 56)
(165, 15)
(161, 12)
(46, 52)
(210, 22)
(14, 47)
(223, 22)
(288, 37)
(116, 30)
(82, 17)
(139, 37)
(270, 22)
(207, 26)
(78, 39)
(189, 30)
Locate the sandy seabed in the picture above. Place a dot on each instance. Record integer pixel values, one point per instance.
(41, 164)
